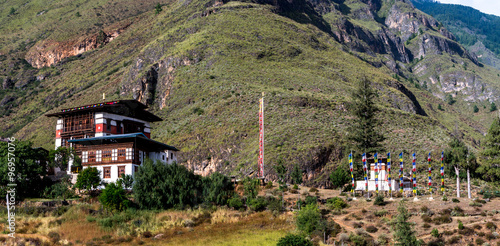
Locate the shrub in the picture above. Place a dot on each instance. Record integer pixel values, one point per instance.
(442, 219)
(313, 190)
(455, 200)
(445, 198)
(311, 200)
(339, 177)
(258, 204)
(308, 219)
(336, 203)
(479, 241)
(294, 240)
(426, 218)
(379, 201)
(426, 226)
(217, 188)
(371, 229)
(113, 197)
(435, 232)
(88, 179)
(380, 213)
(54, 236)
(454, 240)
(235, 202)
(176, 187)
(490, 225)
(460, 225)
(269, 185)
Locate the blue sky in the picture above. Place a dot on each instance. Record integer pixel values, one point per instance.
(485, 6)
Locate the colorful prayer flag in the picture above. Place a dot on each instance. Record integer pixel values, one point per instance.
(442, 171)
(389, 170)
(401, 172)
(430, 171)
(376, 172)
(414, 174)
(352, 175)
(365, 171)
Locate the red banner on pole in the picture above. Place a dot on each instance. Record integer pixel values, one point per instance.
(261, 138)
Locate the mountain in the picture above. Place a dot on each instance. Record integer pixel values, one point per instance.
(477, 31)
(202, 65)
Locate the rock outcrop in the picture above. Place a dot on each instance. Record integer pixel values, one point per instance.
(48, 52)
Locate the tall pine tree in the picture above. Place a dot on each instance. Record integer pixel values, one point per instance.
(363, 132)
(490, 161)
(403, 229)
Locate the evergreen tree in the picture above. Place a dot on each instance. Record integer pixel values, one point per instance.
(403, 229)
(339, 177)
(476, 109)
(281, 172)
(458, 156)
(490, 161)
(113, 197)
(493, 107)
(297, 174)
(363, 132)
(158, 8)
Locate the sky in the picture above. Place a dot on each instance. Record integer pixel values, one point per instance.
(485, 6)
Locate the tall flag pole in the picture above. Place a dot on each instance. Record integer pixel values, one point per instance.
(442, 172)
(389, 172)
(365, 171)
(380, 171)
(430, 172)
(401, 172)
(414, 174)
(376, 173)
(352, 175)
(261, 136)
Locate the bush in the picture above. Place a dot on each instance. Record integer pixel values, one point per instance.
(339, 177)
(258, 204)
(490, 225)
(379, 201)
(308, 219)
(435, 232)
(336, 203)
(380, 213)
(294, 240)
(443, 219)
(113, 197)
(235, 202)
(313, 190)
(217, 188)
(88, 179)
(426, 218)
(455, 200)
(454, 240)
(311, 200)
(176, 187)
(479, 241)
(371, 229)
(54, 236)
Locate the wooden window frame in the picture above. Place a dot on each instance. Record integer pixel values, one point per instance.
(106, 172)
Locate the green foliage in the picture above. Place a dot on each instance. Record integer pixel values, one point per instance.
(296, 174)
(77, 14)
(311, 200)
(113, 197)
(280, 170)
(126, 181)
(235, 202)
(59, 190)
(158, 8)
(490, 160)
(493, 107)
(475, 109)
(403, 229)
(450, 100)
(217, 188)
(363, 133)
(294, 240)
(308, 219)
(12, 11)
(440, 107)
(60, 157)
(22, 161)
(175, 187)
(88, 179)
(379, 201)
(339, 177)
(460, 225)
(336, 203)
(250, 188)
(258, 204)
(456, 156)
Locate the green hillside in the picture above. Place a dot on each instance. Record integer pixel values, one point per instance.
(213, 61)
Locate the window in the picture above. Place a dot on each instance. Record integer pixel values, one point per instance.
(121, 170)
(85, 157)
(107, 172)
(91, 156)
(106, 155)
(122, 154)
(163, 157)
(136, 168)
(129, 154)
(114, 155)
(98, 156)
(172, 156)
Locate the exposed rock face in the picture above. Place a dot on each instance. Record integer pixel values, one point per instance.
(47, 52)
(429, 44)
(467, 84)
